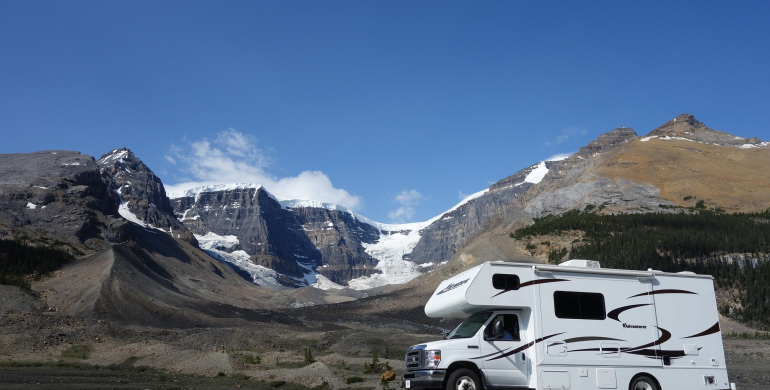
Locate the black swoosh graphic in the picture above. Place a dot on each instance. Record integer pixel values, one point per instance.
(708, 331)
(494, 353)
(659, 354)
(665, 291)
(615, 313)
(525, 346)
(585, 350)
(532, 283)
(579, 339)
(666, 335)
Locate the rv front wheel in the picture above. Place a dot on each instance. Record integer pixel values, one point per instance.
(643, 383)
(463, 379)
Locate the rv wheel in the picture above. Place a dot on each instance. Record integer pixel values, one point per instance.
(463, 379)
(643, 382)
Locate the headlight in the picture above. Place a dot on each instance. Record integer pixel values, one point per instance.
(432, 358)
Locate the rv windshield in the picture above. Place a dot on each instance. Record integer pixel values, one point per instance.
(470, 326)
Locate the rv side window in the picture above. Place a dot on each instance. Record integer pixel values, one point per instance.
(505, 282)
(579, 305)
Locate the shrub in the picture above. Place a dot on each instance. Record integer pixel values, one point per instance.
(309, 359)
(79, 351)
(252, 359)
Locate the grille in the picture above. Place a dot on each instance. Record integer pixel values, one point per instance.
(414, 360)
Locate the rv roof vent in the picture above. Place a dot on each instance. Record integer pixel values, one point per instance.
(686, 272)
(581, 263)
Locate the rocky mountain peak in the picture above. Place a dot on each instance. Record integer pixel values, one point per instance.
(607, 141)
(141, 192)
(686, 127)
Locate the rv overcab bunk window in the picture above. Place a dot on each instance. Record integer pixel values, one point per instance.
(579, 305)
(505, 282)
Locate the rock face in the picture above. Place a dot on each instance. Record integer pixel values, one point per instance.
(607, 141)
(289, 240)
(70, 197)
(141, 192)
(440, 240)
(57, 194)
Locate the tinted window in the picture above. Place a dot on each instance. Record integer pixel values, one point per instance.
(505, 282)
(579, 305)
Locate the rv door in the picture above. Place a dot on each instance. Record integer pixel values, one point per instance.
(504, 358)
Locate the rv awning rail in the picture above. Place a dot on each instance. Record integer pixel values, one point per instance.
(618, 272)
(603, 271)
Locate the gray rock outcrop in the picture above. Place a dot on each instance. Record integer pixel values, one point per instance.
(57, 194)
(288, 241)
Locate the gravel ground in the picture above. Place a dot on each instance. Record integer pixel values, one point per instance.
(64, 352)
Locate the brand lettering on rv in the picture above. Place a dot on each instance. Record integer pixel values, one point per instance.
(634, 326)
(452, 286)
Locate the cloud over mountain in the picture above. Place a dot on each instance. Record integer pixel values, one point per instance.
(233, 157)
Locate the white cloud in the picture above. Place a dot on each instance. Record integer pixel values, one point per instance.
(566, 133)
(559, 156)
(233, 157)
(408, 200)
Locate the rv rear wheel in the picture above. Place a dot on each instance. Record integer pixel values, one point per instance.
(643, 382)
(463, 379)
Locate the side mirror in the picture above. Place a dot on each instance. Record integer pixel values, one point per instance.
(444, 334)
(497, 330)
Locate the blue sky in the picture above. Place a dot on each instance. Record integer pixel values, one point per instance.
(395, 108)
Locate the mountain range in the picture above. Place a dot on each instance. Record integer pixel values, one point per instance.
(210, 252)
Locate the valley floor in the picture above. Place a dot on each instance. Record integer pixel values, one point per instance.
(51, 351)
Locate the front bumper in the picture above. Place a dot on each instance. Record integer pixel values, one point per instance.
(423, 379)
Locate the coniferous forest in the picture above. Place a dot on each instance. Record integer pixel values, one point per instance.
(19, 260)
(734, 248)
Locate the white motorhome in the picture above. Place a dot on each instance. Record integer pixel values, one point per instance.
(572, 326)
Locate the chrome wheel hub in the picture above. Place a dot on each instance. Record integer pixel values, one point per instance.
(465, 383)
(643, 386)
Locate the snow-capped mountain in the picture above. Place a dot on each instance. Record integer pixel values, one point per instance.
(304, 242)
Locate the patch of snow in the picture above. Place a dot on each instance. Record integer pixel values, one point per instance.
(323, 283)
(128, 215)
(31, 206)
(668, 138)
(748, 146)
(645, 139)
(260, 275)
(212, 240)
(116, 155)
(390, 250)
(72, 163)
(537, 174)
(425, 265)
(43, 188)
